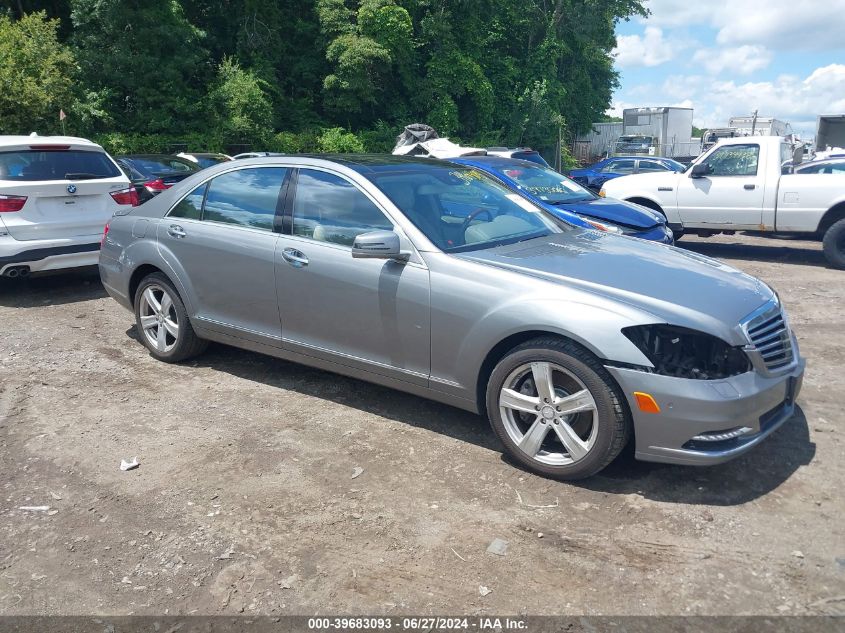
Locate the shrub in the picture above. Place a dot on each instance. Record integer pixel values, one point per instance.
(336, 140)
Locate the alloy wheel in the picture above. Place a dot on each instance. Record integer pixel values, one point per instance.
(159, 319)
(549, 413)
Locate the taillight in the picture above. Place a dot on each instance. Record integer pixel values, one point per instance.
(156, 185)
(10, 204)
(105, 232)
(126, 196)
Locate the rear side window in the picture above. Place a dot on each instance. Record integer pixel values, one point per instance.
(246, 197)
(34, 165)
(190, 206)
(625, 166)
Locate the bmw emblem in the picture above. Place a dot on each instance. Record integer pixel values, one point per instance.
(71, 188)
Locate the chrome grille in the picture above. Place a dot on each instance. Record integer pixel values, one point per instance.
(768, 332)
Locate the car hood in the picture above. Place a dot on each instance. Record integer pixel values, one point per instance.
(673, 285)
(616, 211)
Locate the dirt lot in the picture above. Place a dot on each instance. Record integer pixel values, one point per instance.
(245, 500)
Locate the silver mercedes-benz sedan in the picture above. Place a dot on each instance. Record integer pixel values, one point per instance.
(434, 279)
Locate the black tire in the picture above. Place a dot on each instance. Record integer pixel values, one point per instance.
(612, 417)
(186, 344)
(834, 244)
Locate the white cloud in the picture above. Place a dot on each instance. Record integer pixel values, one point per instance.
(650, 49)
(788, 97)
(742, 60)
(778, 24)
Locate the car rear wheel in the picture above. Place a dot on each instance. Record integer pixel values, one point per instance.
(556, 409)
(834, 244)
(162, 321)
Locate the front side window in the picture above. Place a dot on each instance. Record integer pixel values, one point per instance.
(547, 185)
(331, 209)
(734, 160)
(245, 197)
(460, 208)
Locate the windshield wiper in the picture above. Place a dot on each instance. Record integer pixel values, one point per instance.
(80, 176)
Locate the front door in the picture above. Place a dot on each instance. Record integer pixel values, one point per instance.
(221, 236)
(730, 196)
(370, 314)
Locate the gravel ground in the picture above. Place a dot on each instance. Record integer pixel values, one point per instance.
(247, 499)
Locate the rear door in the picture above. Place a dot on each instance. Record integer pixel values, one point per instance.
(66, 189)
(222, 236)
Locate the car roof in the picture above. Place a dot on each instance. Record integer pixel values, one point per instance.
(371, 163)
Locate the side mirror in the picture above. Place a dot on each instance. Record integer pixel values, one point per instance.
(700, 170)
(378, 245)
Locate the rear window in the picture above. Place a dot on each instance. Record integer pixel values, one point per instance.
(533, 157)
(32, 165)
(210, 161)
(155, 166)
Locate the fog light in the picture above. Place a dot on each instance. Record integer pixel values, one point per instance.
(720, 436)
(646, 402)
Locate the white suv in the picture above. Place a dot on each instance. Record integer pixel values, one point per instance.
(57, 193)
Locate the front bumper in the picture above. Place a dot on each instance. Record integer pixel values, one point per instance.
(691, 408)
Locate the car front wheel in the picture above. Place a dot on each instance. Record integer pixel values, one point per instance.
(556, 409)
(162, 321)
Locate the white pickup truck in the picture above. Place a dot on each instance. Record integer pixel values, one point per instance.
(744, 184)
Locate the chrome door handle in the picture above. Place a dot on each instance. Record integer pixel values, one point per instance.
(295, 258)
(176, 231)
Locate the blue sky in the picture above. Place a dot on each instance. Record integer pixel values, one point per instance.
(729, 57)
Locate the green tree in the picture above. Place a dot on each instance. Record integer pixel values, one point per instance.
(37, 75)
(144, 60)
(366, 49)
(240, 108)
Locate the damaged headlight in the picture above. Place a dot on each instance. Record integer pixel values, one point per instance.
(684, 353)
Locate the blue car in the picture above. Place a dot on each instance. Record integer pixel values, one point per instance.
(562, 197)
(594, 176)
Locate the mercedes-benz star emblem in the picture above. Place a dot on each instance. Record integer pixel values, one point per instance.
(71, 188)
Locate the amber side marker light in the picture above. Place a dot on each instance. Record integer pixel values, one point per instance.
(646, 402)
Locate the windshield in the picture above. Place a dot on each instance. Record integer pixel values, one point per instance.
(547, 185)
(462, 209)
(32, 165)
